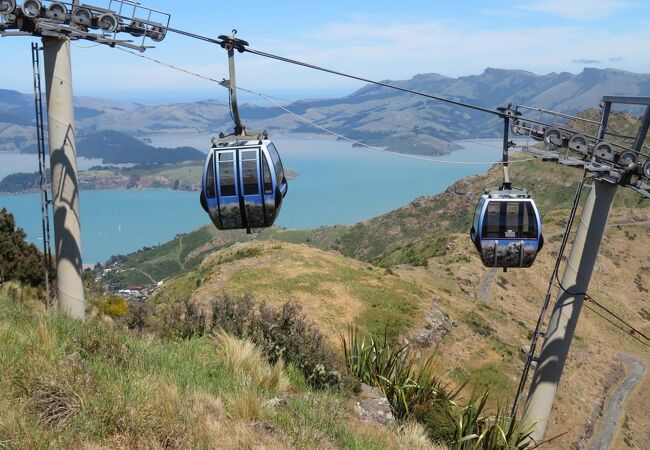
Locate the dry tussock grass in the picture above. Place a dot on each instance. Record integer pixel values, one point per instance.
(214, 429)
(244, 405)
(38, 308)
(241, 435)
(413, 436)
(151, 415)
(247, 360)
(44, 339)
(166, 419)
(55, 400)
(10, 424)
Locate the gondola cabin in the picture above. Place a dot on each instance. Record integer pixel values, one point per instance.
(243, 184)
(507, 229)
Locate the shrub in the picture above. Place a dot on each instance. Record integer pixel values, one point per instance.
(437, 420)
(19, 260)
(283, 334)
(416, 392)
(286, 334)
(139, 315)
(233, 315)
(183, 320)
(113, 306)
(477, 429)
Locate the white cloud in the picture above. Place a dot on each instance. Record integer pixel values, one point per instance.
(381, 49)
(389, 51)
(575, 9)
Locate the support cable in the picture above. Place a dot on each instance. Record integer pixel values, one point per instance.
(243, 48)
(377, 83)
(630, 331)
(271, 100)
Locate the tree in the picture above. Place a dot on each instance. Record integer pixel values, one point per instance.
(19, 260)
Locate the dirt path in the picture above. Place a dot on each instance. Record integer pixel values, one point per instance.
(180, 252)
(483, 291)
(608, 425)
(145, 274)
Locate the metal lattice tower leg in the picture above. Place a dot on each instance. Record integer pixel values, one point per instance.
(42, 170)
(65, 188)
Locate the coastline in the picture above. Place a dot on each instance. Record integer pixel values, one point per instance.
(184, 177)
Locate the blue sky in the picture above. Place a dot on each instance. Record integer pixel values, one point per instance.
(377, 39)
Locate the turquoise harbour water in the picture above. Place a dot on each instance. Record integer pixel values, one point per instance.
(338, 184)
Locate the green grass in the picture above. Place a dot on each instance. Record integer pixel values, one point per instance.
(478, 324)
(488, 376)
(390, 303)
(120, 390)
(416, 254)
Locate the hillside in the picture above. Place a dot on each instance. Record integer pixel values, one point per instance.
(441, 305)
(436, 289)
(185, 176)
(69, 384)
(114, 147)
(375, 115)
(118, 148)
(333, 290)
(408, 235)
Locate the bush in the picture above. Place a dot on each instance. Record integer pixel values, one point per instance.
(184, 321)
(283, 334)
(416, 392)
(19, 260)
(477, 429)
(437, 419)
(139, 315)
(113, 306)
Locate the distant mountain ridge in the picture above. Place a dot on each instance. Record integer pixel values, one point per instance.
(372, 114)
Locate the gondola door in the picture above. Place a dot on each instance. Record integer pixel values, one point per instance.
(251, 199)
(229, 205)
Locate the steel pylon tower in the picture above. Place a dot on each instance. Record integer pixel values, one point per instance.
(610, 165)
(57, 23)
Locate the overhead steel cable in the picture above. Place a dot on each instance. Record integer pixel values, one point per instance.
(377, 83)
(195, 36)
(617, 317)
(372, 147)
(631, 331)
(244, 48)
(315, 125)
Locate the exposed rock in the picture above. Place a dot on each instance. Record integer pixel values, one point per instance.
(275, 403)
(373, 407)
(438, 325)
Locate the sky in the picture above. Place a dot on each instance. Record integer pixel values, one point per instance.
(377, 39)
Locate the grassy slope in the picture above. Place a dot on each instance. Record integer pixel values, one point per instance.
(486, 344)
(68, 384)
(408, 235)
(332, 289)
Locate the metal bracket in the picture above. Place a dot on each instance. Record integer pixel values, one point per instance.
(230, 44)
